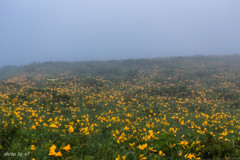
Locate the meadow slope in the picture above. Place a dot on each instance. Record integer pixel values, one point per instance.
(166, 108)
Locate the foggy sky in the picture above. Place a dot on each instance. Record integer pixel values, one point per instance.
(80, 30)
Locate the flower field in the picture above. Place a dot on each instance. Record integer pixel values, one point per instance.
(175, 108)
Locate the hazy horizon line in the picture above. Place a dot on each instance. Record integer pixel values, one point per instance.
(119, 59)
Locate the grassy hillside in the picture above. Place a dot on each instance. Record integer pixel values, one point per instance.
(166, 108)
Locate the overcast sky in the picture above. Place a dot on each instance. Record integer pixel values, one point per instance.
(80, 30)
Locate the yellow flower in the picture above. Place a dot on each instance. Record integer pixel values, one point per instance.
(58, 154)
(126, 128)
(190, 156)
(52, 153)
(118, 158)
(224, 133)
(161, 153)
(33, 127)
(197, 142)
(71, 129)
(153, 150)
(227, 139)
(132, 145)
(122, 138)
(184, 143)
(53, 147)
(53, 125)
(52, 150)
(141, 157)
(33, 147)
(142, 147)
(67, 148)
(172, 145)
(180, 153)
(173, 130)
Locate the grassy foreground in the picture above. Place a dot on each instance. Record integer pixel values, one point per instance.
(176, 108)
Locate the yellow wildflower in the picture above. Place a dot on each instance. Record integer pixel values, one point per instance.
(141, 157)
(161, 153)
(67, 148)
(190, 156)
(153, 150)
(224, 133)
(53, 125)
(132, 145)
(126, 128)
(180, 153)
(142, 147)
(33, 147)
(118, 158)
(71, 129)
(184, 143)
(52, 150)
(172, 145)
(58, 154)
(33, 127)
